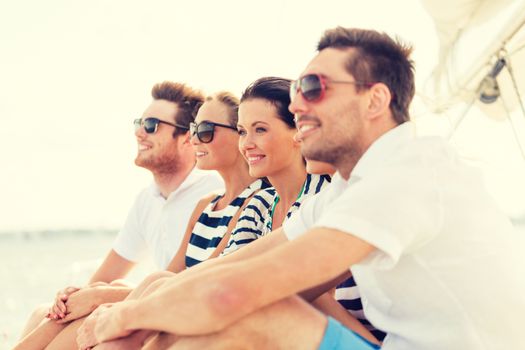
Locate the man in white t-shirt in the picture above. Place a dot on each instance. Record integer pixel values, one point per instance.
(435, 261)
(157, 220)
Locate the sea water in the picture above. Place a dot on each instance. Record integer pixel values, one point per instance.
(35, 265)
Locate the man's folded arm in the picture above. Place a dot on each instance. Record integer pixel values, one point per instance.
(210, 299)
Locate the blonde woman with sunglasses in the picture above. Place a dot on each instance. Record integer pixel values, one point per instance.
(214, 138)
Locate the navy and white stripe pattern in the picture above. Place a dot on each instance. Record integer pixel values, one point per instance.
(347, 294)
(312, 185)
(254, 219)
(249, 225)
(213, 224)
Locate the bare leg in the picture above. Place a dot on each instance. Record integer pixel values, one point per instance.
(67, 339)
(134, 341)
(160, 341)
(146, 283)
(40, 336)
(117, 283)
(38, 315)
(288, 324)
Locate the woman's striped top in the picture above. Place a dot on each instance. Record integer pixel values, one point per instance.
(212, 225)
(347, 294)
(255, 220)
(312, 185)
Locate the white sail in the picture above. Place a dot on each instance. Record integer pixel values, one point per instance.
(478, 86)
(473, 35)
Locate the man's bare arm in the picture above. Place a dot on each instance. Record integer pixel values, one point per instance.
(313, 293)
(224, 293)
(113, 267)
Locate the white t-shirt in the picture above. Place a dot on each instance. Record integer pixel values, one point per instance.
(158, 224)
(447, 272)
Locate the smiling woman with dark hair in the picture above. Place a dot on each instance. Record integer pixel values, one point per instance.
(266, 140)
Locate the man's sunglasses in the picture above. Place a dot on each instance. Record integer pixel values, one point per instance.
(313, 86)
(151, 124)
(205, 130)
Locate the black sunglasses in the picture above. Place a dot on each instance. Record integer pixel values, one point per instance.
(151, 124)
(313, 86)
(205, 130)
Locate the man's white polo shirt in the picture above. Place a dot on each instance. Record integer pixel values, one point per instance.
(447, 273)
(158, 224)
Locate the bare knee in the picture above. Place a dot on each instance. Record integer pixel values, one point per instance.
(66, 339)
(120, 283)
(37, 316)
(155, 281)
(158, 275)
(41, 311)
(288, 324)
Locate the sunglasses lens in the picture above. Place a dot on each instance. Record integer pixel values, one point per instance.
(150, 125)
(311, 87)
(205, 132)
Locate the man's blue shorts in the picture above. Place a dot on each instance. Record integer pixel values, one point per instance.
(338, 337)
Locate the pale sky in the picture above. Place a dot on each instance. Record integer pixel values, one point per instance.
(74, 74)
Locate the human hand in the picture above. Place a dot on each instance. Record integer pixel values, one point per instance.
(81, 303)
(59, 309)
(102, 325)
(133, 341)
(86, 332)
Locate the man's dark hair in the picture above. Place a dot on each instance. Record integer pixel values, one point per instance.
(187, 99)
(377, 58)
(274, 90)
